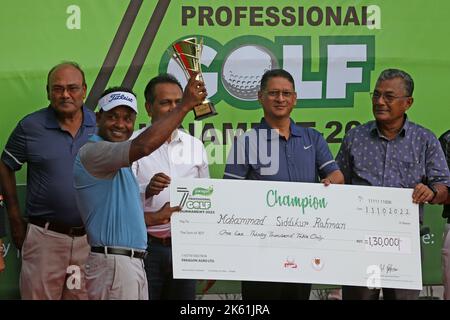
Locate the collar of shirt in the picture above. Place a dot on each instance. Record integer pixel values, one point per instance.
(95, 138)
(52, 123)
(175, 136)
(373, 128)
(293, 129)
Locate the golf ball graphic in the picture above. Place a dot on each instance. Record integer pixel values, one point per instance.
(243, 68)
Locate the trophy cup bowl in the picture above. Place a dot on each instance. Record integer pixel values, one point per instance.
(187, 54)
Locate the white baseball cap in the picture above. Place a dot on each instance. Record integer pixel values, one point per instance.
(118, 98)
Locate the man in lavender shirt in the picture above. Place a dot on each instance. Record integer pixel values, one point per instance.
(394, 152)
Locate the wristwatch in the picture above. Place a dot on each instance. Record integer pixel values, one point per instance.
(433, 188)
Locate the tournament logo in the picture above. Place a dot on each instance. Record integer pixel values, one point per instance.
(232, 71)
(197, 201)
(203, 191)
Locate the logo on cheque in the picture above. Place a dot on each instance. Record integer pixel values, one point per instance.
(317, 264)
(196, 201)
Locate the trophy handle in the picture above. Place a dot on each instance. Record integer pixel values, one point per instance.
(187, 53)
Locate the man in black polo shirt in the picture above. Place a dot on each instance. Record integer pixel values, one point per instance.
(53, 243)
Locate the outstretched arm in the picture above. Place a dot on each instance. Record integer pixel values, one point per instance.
(153, 137)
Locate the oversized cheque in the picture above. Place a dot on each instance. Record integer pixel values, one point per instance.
(295, 232)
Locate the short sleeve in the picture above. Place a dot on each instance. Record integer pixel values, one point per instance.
(324, 159)
(103, 159)
(15, 153)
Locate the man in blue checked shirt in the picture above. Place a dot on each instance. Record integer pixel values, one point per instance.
(279, 150)
(394, 152)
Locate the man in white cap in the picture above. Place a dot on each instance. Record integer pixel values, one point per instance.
(108, 195)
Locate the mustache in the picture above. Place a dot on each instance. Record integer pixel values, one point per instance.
(65, 99)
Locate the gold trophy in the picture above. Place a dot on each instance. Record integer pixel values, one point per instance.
(187, 54)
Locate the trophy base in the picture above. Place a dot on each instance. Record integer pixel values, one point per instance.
(204, 110)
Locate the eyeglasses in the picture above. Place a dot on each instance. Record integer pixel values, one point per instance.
(387, 97)
(276, 93)
(70, 89)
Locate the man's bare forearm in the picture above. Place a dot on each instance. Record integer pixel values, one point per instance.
(336, 177)
(441, 196)
(161, 216)
(8, 183)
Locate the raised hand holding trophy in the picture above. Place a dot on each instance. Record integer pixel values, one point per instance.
(187, 54)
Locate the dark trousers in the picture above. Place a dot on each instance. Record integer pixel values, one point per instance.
(363, 293)
(161, 284)
(252, 290)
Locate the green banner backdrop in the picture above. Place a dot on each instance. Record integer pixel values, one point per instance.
(334, 49)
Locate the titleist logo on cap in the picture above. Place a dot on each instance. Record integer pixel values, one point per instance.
(119, 96)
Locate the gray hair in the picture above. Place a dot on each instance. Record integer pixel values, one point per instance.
(389, 74)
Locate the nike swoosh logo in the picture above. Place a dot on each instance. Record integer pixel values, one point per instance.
(306, 148)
